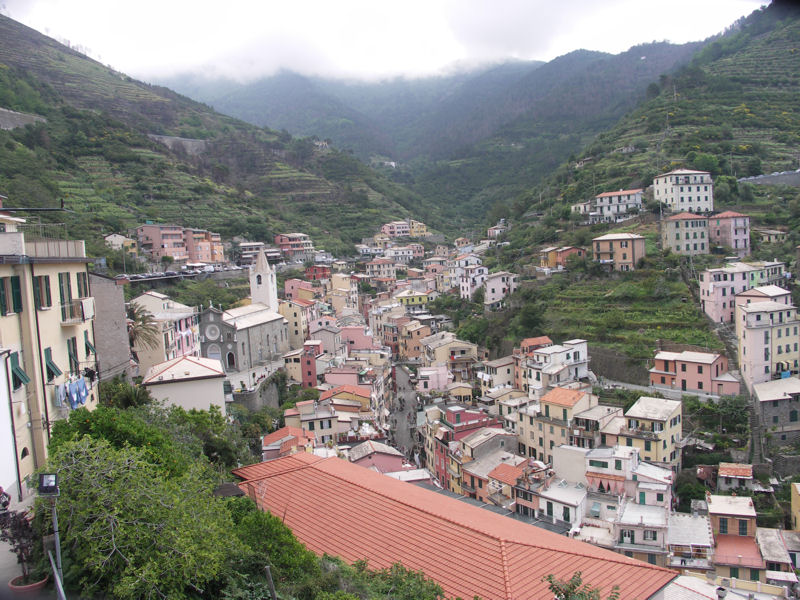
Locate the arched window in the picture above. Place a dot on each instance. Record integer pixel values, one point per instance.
(258, 279)
(231, 358)
(24, 453)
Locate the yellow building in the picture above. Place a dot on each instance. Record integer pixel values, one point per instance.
(417, 229)
(47, 340)
(795, 491)
(540, 433)
(653, 425)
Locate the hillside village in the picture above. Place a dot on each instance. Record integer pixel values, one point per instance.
(533, 436)
(248, 365)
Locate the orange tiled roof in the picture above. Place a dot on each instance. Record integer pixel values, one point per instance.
(339, 508)
(563, 397)
(506, 473)
(727, 214)
(685, 216)
(277, 435)
(535, 341)
(738, 550)
(356, 390)
(735, 470)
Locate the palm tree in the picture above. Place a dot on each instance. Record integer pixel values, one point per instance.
(143, 329)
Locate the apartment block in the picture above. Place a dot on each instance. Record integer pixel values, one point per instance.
(684, 190)
(703, 372)
(653, 425)
(685, 234)
(48, 351)
(619, 251)
(731, 230)
(719, 286)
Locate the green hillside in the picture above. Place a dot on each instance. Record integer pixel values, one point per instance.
(94, 153)
(734, 111)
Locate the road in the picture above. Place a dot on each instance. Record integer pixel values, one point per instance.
(404, 413)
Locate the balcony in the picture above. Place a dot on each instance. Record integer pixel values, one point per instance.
(77, 311)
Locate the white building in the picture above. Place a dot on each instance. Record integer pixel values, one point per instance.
(684, 190)
(555, 365)
(189, 382)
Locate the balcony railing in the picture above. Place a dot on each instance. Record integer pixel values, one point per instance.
(77, 311)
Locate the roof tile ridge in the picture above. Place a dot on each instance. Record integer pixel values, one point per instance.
(506, 577)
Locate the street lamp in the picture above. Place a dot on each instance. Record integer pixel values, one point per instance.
(48, 488)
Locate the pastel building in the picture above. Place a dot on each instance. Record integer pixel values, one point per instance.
(701, 372)
(612, 205)
(497, 287)
(685, 234)
(295, 246)
(653, 425)
(555, 257)
(719, 286)
(768, 341)
(684, 190)
(179, 333)
(731, 230)
(619, 251)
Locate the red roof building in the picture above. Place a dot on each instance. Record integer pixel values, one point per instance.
(339, 508)
(285, 441)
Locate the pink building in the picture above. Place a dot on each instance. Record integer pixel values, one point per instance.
(719, 286)
(158, 241)
(308, 363)
(434, 378)
(417, 250)
(291, 286)
(286, 441)
(378, 457)
(702, 372)
(358, 337)
(472, 278)
(382, 267)
(497, 287)
(732, 230)
(396, 229)
(294, 245)
(203, 246)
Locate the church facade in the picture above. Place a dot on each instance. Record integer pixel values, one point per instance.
(247, 339)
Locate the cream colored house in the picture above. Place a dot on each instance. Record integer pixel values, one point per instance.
(190, 382)
(47, 336)
(653, 425)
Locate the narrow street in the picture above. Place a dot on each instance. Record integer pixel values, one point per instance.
(403, 416)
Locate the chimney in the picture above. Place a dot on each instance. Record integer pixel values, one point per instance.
(721, 593)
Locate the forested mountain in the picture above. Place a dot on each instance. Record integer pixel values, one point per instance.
(464, 141)
(97, 151)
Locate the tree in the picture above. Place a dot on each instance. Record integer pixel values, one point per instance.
(122, 394)
(143, 330)
(574, 588)
(130, 531)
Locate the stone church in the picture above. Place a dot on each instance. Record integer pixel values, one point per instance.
(248, 338)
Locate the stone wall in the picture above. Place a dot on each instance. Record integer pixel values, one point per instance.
(265, 395)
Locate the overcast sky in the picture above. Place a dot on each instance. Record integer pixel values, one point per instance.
(371, 39)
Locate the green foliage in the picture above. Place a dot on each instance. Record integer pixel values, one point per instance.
(575, 589)
(119, 393)
(131, 530)
(120, 429)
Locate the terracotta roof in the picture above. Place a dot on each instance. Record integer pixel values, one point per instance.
(563, 397)
(735, 470)
(356, 390)
(535, 341)
(284, 432)
(738, 550)
(619, 193)
(686, 216)
(727, 214)
(506, 473)
(339, 508)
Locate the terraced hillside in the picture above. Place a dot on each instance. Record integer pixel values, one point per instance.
(94, 153)
(734, 111)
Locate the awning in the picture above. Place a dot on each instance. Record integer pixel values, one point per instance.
(52, 368)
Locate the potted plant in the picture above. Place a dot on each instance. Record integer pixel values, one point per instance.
(16, 529)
